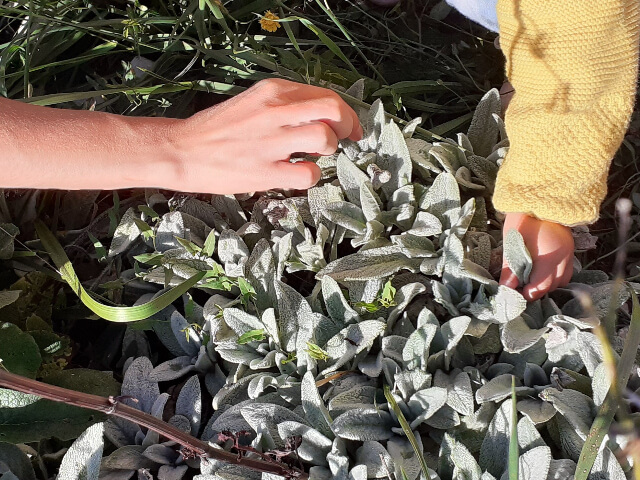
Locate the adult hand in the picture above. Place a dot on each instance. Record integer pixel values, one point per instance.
(244, 144)
(551, 247)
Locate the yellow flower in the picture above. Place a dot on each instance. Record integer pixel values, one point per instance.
(269, 21)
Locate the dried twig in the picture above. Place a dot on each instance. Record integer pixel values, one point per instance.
(111, 406)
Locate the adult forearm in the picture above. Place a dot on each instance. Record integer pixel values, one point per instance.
(68, 149)
(241, 145)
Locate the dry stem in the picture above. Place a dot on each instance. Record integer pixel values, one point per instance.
(111, 406)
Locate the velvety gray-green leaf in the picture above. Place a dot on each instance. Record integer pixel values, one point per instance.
(517, 256)
(17, 463)
(82, 460)
(534, 464)
(315, 410)
(363, 424)
(495, 447)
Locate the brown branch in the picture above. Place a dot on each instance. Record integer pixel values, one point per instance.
(111, 406)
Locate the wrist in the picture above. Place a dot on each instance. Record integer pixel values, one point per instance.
(153, 154)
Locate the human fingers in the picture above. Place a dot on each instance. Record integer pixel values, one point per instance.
(540, 283)
(563, 273)
(329, 109)
(299, 175)
(507, 277)
(317, 137)
(358, 132)
(295, 103)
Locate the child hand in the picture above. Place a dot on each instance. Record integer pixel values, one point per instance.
(244, 144)
(551, 247)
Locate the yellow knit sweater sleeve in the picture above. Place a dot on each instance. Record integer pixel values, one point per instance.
(574, 65)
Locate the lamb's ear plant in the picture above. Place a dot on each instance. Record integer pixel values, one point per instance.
(356, 329)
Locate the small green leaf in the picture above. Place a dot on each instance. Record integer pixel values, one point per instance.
(369, 307)
(251, 336)
(209, 244)
(7, 297)
(149, 211)
(316, 352)
(101, 252)
(517, 256)
(220, 283)
(388, 293)
(113, 215)
(290, 358)
(245, 287)
(190, 247)
(153, 259)
(247, 292)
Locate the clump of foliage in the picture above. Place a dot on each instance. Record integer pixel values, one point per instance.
(356, 329)
(360, 317)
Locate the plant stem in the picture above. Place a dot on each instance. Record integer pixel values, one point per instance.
(111, 406)
(611, 404)
(514, 454)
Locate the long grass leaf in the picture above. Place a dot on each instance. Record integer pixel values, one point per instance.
(100, 51)
(325, 7)
(114, 314)
(406, 429)
(513, 441)
(451, 125)
(330, 44)
(219, 16)
(293, 40)
(415, 86)
(609, 407)
(202, 85)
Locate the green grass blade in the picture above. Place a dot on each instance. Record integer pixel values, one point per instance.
(407, 429)
(513, 441)
(415, 87)
(293, 40)
(219, 16)
(325, 7)
(451, 125)
(202, 85)
(99, 51)
(609, 407)
(330, 44)
(114, 314)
